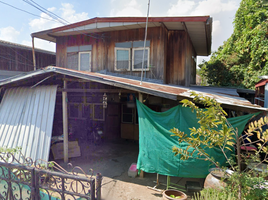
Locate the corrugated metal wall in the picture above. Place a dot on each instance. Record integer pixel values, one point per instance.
(26, 120)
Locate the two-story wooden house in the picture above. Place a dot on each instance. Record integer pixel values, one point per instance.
(103, 65)
(115, 46)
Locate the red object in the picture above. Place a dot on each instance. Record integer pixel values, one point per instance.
(248, 148)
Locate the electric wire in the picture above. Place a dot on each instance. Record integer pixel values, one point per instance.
(145, 42)
(26, 11)
(40, 8)
(12, 60)
(56, 17)
(19, 54)
(30, 14)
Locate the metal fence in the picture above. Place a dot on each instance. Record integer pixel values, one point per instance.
(20, 181)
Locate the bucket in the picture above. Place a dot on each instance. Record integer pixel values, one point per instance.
(167, 193)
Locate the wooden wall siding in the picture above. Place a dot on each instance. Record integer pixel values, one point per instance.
(16, 59)
(170, 53)
(176, 54)
(103, 56)
(61, 52)
(190, 67)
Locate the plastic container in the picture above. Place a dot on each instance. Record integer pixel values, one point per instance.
(167, 193)
(132, 171)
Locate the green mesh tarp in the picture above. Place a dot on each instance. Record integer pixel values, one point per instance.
(155, 142)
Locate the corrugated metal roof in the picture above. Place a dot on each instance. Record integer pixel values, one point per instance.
(20, 46)
(6, 74)
(26, 119)
(198, 27)
(224, 96)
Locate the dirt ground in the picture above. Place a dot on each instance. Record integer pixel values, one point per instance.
(112, 160)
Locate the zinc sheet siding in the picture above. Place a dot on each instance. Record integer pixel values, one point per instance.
(26, 120)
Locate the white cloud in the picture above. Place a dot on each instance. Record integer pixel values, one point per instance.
(216, 28)
(70, 15)
(210, 7)
(126, 8)
(9, 34)
(41, 44)
(182, 7)
(66, 12)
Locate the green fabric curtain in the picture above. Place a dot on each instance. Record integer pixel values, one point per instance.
(155, 142)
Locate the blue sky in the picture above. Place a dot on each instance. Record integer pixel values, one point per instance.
(16, 26)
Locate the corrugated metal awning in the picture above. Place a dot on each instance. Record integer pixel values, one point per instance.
(26, 119)
(225, 97)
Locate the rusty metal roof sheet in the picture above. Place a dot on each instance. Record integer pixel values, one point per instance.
(227, 97)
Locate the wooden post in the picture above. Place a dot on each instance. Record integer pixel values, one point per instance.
(34, 61)
(98, 186)
(141, 100)
(65, 123)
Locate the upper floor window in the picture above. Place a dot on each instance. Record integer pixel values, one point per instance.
(122, 59)
(85, 61)
(137, 57)
(129, 56)
(79, 57)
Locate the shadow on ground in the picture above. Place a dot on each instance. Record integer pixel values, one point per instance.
(112, 160)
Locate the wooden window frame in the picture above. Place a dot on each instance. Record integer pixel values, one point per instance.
(103, 117)
(80, 111)
(79, 60)
(148, 61)
(115, 59)
(132, 114)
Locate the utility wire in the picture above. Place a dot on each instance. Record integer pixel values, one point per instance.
(145, 42)
(40, 8)
(56, 17)
(26, 11)
(12, 60)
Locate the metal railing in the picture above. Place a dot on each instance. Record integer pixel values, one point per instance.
(29, 181)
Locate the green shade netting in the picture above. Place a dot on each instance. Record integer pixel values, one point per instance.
(155, 142)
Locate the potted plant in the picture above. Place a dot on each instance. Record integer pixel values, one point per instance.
(173, 195)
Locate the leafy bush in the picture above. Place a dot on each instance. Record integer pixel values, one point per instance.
(216, 132)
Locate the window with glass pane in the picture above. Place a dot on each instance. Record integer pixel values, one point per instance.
(138, 57)
(72, 60)
(122, 59)
(84, 61)
(74, 110)
(87, 111)
(127, 114)
(98, 112)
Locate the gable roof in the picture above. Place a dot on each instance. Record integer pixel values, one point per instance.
(199, 28)
(227, 97)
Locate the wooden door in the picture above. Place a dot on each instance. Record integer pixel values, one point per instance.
(113, 122)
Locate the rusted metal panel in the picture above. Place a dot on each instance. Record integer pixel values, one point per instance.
(26, 119)
(223, 96)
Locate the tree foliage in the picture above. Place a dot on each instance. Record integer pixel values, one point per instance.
(244, 56)
(216, 132)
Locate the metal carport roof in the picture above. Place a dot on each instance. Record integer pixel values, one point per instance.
(225, 97)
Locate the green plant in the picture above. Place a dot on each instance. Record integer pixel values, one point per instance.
(243, 57)
(213, 194)
(216, 132)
